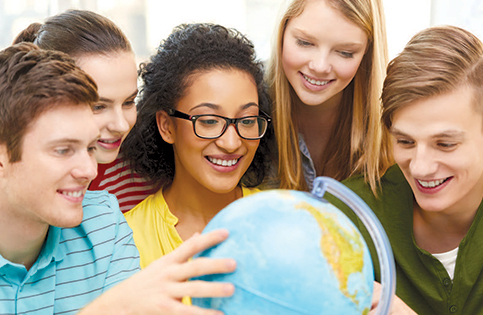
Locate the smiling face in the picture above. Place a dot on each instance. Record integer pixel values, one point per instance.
(321, 52)
(115, 114)
(213, 164)
(48, 184)
(439, 147)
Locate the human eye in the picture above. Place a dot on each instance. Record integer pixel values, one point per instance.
(303, 43)
(63, 151)
(447, 145)
(346, 54)
(208, 121)
(91, 149)
(99, 107)
(248, 122)
(129, 103)
(404, 142)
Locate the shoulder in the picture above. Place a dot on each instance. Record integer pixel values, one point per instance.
(391, 180)
(100, 199)
(151, 206)
(101, 210)
(102, 225)
(393, 188)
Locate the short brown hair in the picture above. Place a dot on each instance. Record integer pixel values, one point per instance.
(437, 60)
(33, 81)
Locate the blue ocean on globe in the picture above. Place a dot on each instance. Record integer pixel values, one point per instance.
(295, 254)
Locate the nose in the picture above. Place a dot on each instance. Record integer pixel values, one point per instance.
(320, 62)
(86, 167)
(118, 122)
(230, 141)
(423, 164)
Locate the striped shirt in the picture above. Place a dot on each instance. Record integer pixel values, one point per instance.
(75, 265)
(118, 179)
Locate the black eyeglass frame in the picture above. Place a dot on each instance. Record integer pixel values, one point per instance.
(176, 113)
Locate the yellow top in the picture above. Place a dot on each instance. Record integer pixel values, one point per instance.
(154, 229)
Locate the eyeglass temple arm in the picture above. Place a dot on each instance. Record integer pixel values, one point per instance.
(178, 114)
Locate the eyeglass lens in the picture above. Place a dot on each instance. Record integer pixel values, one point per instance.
(213, 126)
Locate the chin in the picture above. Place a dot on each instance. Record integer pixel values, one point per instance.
(223, 189)
(106, 158)
(71, 220)
(431, 206)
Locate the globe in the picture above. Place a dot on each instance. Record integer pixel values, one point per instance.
(295, 254)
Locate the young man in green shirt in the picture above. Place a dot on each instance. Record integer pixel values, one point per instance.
(430, 202)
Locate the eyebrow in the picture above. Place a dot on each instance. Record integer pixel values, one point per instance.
(108, 100)
(218, 107)
(351, 45)
(449, 134)
(312, 38)
(71, 140)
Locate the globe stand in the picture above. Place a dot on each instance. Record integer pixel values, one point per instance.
(383, 248)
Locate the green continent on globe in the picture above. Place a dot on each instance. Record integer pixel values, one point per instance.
(342, 248)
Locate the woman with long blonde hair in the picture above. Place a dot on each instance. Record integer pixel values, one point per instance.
(325, 77)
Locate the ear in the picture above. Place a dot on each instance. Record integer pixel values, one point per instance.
(165, 126)
(4, 158)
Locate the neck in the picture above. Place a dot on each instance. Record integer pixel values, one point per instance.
(316, 124)
(195, 205)
(439, 232)
(316, 112)
(21, 240)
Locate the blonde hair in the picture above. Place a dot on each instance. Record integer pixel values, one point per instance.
(437, 60)
(360, 112)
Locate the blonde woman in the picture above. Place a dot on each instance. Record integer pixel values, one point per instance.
(325, 77)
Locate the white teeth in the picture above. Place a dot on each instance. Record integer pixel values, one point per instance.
(431, 184)
(315, 81)
(223, 162)
(108, 141)
(75, 194)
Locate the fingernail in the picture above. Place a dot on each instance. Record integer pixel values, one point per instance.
(229, 288)
(223, 232)
(231, 263)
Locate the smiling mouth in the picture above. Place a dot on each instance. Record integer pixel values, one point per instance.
(433, 183)
(75, 194)
(109, 141)
(315, 82)
(221, 162)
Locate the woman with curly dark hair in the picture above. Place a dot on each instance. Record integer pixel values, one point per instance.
(202, 133)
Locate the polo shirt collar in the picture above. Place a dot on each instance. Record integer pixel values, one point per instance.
(51, 251)
(52, 248)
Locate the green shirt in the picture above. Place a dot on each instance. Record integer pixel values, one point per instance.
(422, 281)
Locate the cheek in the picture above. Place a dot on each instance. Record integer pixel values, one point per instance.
(291, 58)
(186, 140)
(347, 69)
(252, 146)
(131, 116)
(101, 120)
(401, 157)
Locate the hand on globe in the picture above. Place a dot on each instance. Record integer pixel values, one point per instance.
(159, 288)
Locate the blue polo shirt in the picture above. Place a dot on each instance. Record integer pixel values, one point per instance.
(75, 265)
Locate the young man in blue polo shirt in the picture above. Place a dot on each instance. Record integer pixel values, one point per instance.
(61, 246)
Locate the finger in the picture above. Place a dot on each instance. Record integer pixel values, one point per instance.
(203, 266)
(196, 244)
(199, 288)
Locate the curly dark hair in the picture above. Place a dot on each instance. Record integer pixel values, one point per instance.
(189, 49)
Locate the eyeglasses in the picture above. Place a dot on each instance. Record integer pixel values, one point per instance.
(214, 126)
